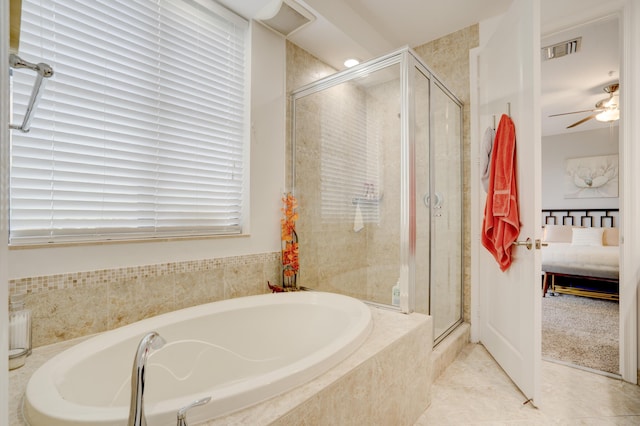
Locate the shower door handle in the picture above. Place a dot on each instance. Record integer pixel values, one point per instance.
(438, 200)
(437, 206)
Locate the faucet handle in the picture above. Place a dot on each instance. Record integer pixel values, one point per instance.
(182, 413)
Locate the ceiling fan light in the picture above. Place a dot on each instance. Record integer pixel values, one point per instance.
(609, 115)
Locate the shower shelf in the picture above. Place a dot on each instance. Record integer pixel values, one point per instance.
(366, 201)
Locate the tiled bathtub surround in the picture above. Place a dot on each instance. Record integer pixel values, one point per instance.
(371, 386)
(71, 305)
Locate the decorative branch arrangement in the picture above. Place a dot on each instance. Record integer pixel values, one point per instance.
(290, 264)
(289, 242)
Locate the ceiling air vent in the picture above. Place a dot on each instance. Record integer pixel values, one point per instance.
(561, 49)
(291, 17)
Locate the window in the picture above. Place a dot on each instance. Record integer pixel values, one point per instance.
(141, 132)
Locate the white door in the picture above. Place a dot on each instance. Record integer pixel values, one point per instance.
(509, 82)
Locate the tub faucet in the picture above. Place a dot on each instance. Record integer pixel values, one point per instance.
(182, 413)
(149, 343)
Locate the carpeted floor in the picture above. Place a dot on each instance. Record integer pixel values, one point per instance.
(581, 331)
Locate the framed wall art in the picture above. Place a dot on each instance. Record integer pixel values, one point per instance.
(591, 177)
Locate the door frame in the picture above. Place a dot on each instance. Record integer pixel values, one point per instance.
(629, 16)
(628, 13)
(4, 223)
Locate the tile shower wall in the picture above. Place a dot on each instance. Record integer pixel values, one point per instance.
(331, 253)
(71, 305)
(352, 144)
(302, 68)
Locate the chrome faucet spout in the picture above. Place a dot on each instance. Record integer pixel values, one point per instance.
(148, 344)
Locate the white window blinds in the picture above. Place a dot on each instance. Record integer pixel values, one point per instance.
(140, 132)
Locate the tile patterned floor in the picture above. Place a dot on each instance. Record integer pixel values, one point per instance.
(474, 390)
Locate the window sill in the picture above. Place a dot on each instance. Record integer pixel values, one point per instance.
(25, 246)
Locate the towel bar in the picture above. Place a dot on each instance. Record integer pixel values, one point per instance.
(44, 71)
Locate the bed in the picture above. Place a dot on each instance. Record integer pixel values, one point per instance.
(582, 253)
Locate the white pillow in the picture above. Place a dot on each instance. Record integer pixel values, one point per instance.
(557, 233)
(587, 236)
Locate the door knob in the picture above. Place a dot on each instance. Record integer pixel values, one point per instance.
(540, 244)
(527, 243)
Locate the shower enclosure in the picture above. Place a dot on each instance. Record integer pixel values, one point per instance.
(376, 166)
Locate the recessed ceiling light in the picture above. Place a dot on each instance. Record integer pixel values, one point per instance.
(351, 63)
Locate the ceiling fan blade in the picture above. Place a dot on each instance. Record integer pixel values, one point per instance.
(582, 121)
(575, 112)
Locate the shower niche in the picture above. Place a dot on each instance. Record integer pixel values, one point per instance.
(376, 166)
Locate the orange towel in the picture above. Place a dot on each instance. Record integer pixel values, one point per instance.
(501, 225)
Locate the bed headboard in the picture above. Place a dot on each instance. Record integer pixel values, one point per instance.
(591, 218)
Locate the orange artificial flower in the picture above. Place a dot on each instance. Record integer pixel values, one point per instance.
(290, 259)
(290, 216)
(289, 236)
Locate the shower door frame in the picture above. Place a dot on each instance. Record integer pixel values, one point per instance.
(435, 82)
(409, 63)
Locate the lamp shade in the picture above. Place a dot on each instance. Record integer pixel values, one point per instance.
(609, 115)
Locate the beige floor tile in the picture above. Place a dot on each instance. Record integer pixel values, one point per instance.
(474, 390)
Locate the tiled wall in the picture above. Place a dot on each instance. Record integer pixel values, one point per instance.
(328, 250)
(302, 68)
(378, 391)
(71, 305)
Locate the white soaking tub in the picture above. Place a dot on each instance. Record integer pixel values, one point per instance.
(238, 351)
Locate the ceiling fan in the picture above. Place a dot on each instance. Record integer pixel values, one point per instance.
(606, 110)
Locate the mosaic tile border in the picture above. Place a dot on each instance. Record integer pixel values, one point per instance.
(41, 284)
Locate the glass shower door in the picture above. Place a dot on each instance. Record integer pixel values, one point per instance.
(347, 177)
(446, 212)
(421, 128)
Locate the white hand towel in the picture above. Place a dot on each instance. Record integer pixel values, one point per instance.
(485, 156)
(358, 223)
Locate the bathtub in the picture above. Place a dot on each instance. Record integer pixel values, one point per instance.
(238, 351)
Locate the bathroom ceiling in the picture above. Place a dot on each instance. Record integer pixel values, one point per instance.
(374, 27)
(365, 29)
